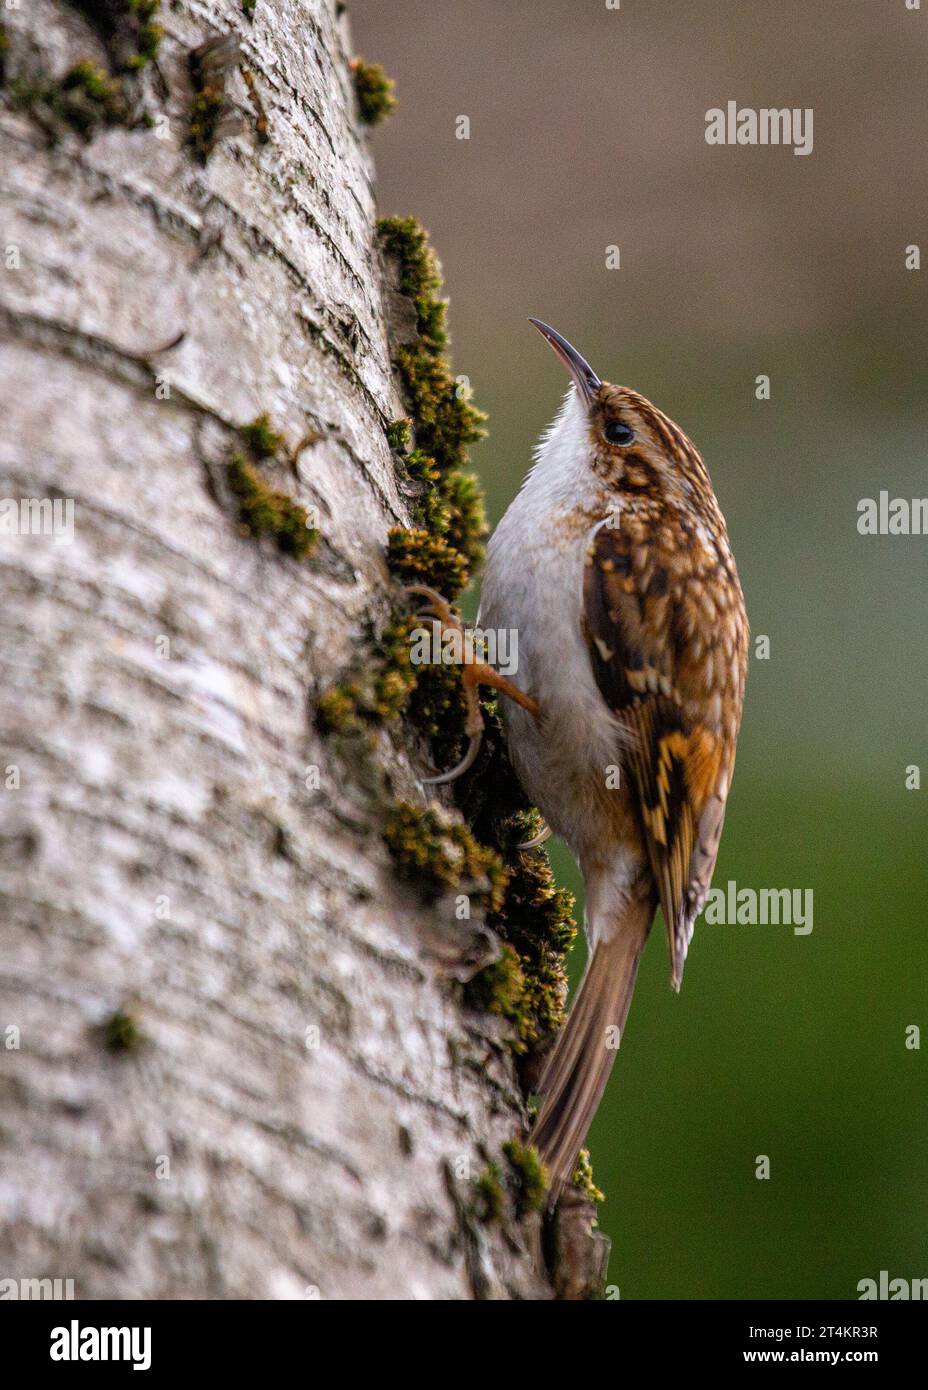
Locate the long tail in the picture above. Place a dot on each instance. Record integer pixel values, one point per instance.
(576, 1072)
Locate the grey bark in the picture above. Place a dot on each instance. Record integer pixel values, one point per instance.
(161, 854)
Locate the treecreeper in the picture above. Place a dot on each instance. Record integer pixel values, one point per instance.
(613, 566)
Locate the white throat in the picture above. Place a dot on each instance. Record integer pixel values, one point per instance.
(561, 471)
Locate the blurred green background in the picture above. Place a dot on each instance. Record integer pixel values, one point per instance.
(587, 130)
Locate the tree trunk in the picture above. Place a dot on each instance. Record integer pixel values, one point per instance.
(235, 1062)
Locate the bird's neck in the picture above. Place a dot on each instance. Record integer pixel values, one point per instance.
(561, 475)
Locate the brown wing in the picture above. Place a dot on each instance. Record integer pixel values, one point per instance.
(641, 657)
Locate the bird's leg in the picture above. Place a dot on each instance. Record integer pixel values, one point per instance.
(474, 674)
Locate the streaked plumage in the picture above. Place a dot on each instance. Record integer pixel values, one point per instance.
(613, 563)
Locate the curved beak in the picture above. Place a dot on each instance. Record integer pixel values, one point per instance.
(582, 374)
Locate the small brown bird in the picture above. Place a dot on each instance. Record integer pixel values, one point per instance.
(613, 564)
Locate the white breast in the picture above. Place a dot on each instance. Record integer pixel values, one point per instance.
(533, 583)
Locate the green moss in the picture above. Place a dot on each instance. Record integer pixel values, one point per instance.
(398, 434)
(446, 422)
(263, 511)
(437, 710)
(205, 113)
(85, 99)
(499, 988)
(378, 693)
(466, 527)
(127, 27)
(583, 1178)
(388, 685)
(88, 97)
(91, 98)
(450, 503)
(261, 440)
(248, 7)
(121, 1033)
(440, 854)
(536, 919)
(418, 557)
(338, 709)
(209, 66)
(148, 34)
(490, 1195)
(528, 984)
(89, 78)
(375, 91)
(528, 1176)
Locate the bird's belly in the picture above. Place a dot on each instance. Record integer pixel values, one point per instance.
(569, 760)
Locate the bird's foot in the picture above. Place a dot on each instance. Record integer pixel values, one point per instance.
(474, 674)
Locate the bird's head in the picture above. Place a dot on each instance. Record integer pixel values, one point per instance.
(628, 443)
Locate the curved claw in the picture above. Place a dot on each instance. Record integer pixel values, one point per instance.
(473, 748)
(539, 839)
(439, 607)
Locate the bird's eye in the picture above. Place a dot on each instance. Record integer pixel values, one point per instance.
(617, 432)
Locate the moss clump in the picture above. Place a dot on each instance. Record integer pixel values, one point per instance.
(263, 511)
(442, 856)
(528, 1176)
(248, 7)
(339, 709)
(260, 438)
(490, 1195)
(209, 65)
(97, 86)
(88, 98)
(398, 434)
(127, 27)
(148, 34)
(583, 1178)
(516, 1187)
(536, 919)
(450, 505)
(389, 685)
(375, 91)
(446, 422)
(499, 988)
(379, 692)
(205, 113)
(85, 99)
(462, 499)
(121, 1033)
(418, 557)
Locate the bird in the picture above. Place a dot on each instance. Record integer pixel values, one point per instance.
(613, 566)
